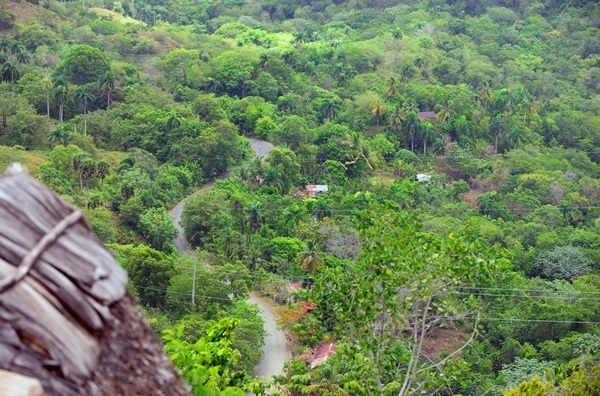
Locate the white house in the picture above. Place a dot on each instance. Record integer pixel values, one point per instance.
(315, 190)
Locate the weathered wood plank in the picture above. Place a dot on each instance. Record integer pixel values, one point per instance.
(65, 341)
(69, 320)
(19, 385)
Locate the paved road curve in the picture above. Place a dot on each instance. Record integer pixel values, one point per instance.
(275, 348)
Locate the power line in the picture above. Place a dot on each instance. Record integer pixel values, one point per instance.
(452, 318)
(524, 320)
(526, 290)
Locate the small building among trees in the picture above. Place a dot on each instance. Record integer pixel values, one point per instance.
(426, 115)
(316, 190)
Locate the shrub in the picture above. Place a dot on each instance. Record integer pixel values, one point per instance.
(564, 262)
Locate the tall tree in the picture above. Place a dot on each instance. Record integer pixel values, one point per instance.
(443, 113)
(360, 150)
(84, 97)
(10, 74)
(485, 95)
(77, 165)
(496, 130)
(59, 135)
(60, 95)
(173, 121)
(83, 64)
(87, 171)
(396, 119)
(378, 108)
(254, 216)
(102, 170)
(392, 88)
(412, 125)
(23, 57)
(330, 107)
(394, 296)
(107, 84)
(310, 257)
(47, 86)
(426, 132)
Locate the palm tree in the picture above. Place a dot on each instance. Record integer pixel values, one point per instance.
(257, 168)
(60, 95)
(378, 110)
(393, 87)
(4, 45)
(174, 121)
(337, 43)
(407, 68)
(515, 135)
(212, 85)
(126, 163)
(521, 96)
(397, 118)
(58, 135)
(530, 107)
(359, 150)
(485, 95)
(10, 74)
(338, 68)
(310, 258)
(107, 84)
(289, 57)
(77, 166)
(419, 62)
(502, 101)
(87, 171)
(496, 130)
(330, 108)
(274, 178)
(426, 133)
(350, 71)
(342, 79)
(47, 85)
(203, 56)
(409, 106)
(23, 57)
(102, 170)
(486, 202)
(16, 48)
(397, 33)
(84, 97)
(264, 61)
(300, 37)
(439, 144)
(443, 113)
(412, 126)
(254, 216)
(569, 212)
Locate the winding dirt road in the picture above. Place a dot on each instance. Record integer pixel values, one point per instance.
(275, 349)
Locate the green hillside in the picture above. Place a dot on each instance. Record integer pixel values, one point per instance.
(472, 283)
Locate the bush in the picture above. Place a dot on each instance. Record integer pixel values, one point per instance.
(564, 262)
(407, 156)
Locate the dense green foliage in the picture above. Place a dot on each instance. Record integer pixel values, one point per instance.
(470, 283)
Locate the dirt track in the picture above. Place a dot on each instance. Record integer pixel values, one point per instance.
(275, 349)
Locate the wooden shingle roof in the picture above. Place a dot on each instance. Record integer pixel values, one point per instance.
(66, 317)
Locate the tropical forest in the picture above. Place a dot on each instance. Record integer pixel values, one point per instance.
(407, 192)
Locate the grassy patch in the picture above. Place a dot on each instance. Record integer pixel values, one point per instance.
(30, 159)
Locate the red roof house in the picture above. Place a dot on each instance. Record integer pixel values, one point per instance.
(322, 354)
(426, 115)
